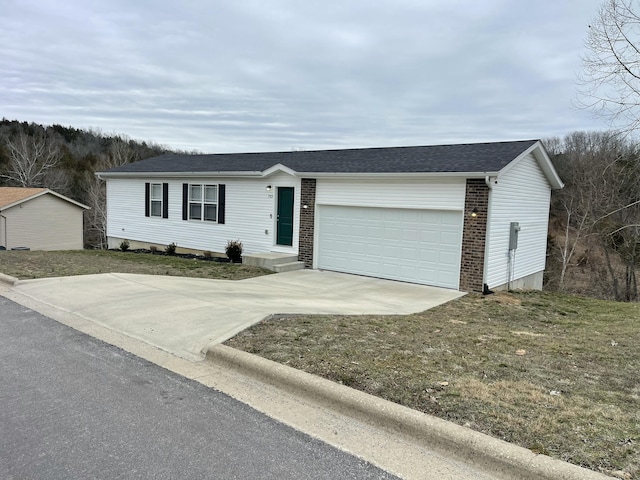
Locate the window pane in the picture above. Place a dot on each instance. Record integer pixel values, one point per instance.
(156, 191)
(156, 208)
(211, 194)
(195, 193)
(210, 213)
(195, 211)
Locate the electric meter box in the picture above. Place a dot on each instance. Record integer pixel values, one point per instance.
(513, 235)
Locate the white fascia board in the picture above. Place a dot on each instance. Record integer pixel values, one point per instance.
(544, 162)
(176, 174)
(278, 168)
(62, 197)
(397, 175)
(22, 200)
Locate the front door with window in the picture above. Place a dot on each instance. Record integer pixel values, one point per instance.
(284, 219)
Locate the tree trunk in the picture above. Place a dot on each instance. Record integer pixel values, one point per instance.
(614, 279)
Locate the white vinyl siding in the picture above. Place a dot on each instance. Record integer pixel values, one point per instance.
(43, 223)
(522, 195)
(438, 194)
(249, 215)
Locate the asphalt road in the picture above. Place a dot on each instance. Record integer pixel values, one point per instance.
(74, 407)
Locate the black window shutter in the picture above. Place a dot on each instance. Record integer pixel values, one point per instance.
(165, 200)
(221, 195)
(146, 199)
(185, 201)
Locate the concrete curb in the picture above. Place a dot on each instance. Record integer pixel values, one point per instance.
(13, 281)
(492, 455)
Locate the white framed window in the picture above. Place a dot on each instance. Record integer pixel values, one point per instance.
(203, 203)
(155, 200)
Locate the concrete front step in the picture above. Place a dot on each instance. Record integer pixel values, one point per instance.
(288, 267)
(269, 260)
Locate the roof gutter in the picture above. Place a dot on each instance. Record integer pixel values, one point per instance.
(490, 181)
(394, 175)
(258, 174)
(104, 175)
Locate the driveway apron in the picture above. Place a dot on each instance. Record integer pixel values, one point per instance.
(185, 315)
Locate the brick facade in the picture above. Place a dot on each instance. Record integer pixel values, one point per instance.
(307, 219)
(474, 235)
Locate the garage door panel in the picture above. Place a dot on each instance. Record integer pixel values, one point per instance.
(448, 239)
(421, 246)
(447, 258)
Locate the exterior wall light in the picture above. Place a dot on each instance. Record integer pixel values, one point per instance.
(268, 188)
(305, 206)
(474, 212)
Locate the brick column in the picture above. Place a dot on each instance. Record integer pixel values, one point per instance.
(307, 219)
(474, 235)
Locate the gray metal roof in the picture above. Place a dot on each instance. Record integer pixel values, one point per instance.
(462, 158)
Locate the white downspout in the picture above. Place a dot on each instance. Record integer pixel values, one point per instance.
(490, 182)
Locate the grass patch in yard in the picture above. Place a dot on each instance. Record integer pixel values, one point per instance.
(36, 264)
(554, 373)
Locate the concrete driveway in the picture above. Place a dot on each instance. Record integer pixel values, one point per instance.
(185, 315)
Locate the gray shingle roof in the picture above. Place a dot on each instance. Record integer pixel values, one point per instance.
(462, 158)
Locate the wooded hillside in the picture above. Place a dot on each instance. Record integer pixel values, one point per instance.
(594, 241)
(65, 159)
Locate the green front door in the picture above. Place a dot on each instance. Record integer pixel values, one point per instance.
(284, 222)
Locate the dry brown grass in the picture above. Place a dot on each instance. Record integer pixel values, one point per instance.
(574, 394)
(33, 264)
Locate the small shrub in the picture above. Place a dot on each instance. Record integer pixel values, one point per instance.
(234, 251)
(124, 245)
(153, 249)
(171, 249)
(207, 254)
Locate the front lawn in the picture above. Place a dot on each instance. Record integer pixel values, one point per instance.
(34, 264)
(557, 374)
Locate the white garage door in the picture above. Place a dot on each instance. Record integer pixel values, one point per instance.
(419, 246)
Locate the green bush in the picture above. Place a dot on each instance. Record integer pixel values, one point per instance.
(171, 249)
(124, 245)
(234, 251)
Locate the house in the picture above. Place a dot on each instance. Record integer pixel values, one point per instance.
(468, 217)
(39, 219)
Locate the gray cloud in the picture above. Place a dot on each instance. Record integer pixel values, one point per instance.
(245, 76)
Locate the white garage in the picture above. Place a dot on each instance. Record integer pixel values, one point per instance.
(411, 245)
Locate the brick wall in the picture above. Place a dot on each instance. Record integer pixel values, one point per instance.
(307, 217)
(474, 235)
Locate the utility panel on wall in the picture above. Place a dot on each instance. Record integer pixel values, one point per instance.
(513, 235)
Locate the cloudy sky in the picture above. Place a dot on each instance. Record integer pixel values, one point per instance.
(251, 75)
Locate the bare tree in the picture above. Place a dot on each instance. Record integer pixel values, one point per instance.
(618, 226)
(580, 158)
(33, 159)
(600, 202)
(610, 84)
(120, 152)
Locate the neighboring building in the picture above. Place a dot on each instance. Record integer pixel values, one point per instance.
(435, 215)
(39, 219)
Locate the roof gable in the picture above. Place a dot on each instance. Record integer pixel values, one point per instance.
(12, 196)
(544, 162)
